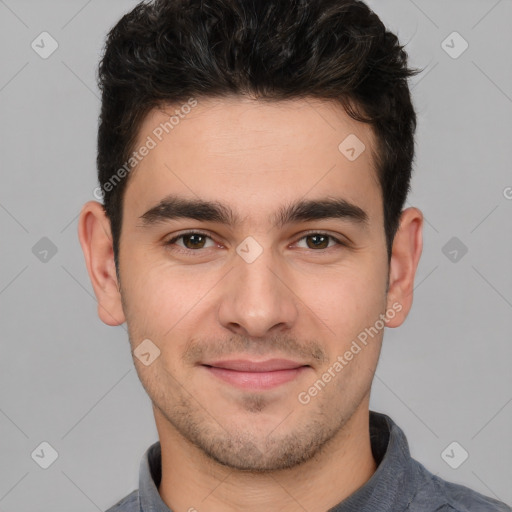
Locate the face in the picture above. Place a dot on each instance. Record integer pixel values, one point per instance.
(253, 258)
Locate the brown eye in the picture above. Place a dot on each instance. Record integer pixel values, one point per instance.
(192, 241)
(320, 241)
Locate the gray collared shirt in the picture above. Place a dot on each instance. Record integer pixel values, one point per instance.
(399, 484)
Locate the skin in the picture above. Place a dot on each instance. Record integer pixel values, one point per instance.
(226, 448)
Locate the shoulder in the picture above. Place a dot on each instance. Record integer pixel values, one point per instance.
(451, 497)
(127, 504)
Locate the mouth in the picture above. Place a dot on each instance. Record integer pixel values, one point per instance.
(256, 375)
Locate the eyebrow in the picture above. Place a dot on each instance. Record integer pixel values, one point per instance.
(175, 207)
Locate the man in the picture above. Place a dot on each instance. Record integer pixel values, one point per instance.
(254, 158)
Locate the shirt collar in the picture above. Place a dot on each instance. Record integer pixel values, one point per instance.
(391, 487)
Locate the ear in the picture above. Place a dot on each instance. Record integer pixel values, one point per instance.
(405, 255)
(96, 240)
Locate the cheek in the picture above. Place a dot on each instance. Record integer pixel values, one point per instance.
(348, 299)
(163, 304)
(147, 299)
(352, 309)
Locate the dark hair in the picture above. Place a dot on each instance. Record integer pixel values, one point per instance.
(167, 51)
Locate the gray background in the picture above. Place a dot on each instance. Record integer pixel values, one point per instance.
(69, 380)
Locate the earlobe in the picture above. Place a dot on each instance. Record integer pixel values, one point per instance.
(405, 256)
(96, 240)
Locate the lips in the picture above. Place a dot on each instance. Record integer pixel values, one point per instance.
(243, 365)
(256, 375)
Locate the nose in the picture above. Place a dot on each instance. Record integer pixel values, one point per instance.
(258, 298)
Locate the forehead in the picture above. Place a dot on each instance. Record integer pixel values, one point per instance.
(251, 153)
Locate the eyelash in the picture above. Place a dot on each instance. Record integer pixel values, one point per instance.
(189, 251)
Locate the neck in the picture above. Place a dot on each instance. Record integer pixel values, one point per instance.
(191, 481)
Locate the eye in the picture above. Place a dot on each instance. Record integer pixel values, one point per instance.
(319, 240)
(192, 240)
